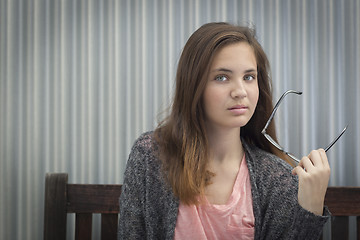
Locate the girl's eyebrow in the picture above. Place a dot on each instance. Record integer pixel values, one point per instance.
(230, 71)
(222, 70)
(250, 70)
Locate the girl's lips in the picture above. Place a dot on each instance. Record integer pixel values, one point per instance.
(238, 110)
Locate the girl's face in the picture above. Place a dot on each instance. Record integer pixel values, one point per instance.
(231, 93)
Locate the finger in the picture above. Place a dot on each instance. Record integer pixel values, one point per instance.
(315, 158)
(298, 170)
(324, 157)
(306, 163)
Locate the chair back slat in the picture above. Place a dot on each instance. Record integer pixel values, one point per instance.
(83, 226)
(339, 227)
(109, 222)
(358, 227)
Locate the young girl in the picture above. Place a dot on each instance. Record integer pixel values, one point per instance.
(207, 172)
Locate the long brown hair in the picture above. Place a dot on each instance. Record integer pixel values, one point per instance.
(182, 136)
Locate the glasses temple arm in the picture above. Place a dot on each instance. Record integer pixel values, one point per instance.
(335, 140)
(276, 145)
(277, 106)
(269, 138)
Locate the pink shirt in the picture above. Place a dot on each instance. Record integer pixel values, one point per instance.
(234, 220)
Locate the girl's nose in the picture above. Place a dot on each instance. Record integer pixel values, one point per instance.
(238, 89)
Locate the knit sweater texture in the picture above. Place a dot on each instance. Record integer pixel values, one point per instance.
(148, 207)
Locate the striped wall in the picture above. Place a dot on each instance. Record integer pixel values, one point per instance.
(80, 80)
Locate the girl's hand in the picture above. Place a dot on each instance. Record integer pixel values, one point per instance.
(314, 174)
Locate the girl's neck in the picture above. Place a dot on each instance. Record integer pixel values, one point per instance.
(225, 145)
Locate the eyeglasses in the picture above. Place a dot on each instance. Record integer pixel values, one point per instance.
(273, 142)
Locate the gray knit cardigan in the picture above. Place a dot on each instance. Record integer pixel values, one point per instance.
(148, 207)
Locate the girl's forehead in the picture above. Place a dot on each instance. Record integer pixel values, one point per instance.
(234, 55)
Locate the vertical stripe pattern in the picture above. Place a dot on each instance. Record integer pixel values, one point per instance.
(80, 80)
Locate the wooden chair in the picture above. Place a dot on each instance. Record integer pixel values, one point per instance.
(343, 202)
(85, 199)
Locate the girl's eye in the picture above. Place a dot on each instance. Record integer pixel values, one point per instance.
(249, 77)
(221, 78)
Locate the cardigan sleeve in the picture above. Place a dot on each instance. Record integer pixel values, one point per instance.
(277, 212)
(284, 218)
(307, 225)
(132, 200)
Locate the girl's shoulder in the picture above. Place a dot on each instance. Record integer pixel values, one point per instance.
(145, 140)
(143, 162)
(142, 150)
(145, 143)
